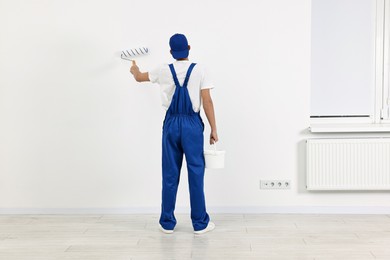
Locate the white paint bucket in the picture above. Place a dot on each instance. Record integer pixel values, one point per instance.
(214, 159)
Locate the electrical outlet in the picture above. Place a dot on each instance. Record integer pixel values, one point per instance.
(275, 184)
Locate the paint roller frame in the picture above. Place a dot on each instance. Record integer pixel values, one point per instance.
(130, 54)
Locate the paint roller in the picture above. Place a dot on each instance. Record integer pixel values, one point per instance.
(130, 54)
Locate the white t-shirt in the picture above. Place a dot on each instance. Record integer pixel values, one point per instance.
(199, 80)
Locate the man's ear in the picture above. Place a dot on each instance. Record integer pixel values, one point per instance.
(189, 47)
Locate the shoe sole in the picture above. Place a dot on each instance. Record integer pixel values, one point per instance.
(165, 231)
(200, 232)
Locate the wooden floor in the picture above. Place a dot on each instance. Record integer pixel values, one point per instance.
(237, 236)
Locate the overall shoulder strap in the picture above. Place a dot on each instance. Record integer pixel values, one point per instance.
(188, 74)
(174, 75)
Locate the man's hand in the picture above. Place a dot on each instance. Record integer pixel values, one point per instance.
(138, 75)
(134, 68)
(213, 137)
(209, 111)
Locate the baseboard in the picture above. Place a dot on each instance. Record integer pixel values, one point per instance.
(211, 210)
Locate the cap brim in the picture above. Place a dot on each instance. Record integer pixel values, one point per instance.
(180, 54)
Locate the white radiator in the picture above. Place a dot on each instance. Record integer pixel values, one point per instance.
(348, 164)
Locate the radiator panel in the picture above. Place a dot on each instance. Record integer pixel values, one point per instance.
(348, 164)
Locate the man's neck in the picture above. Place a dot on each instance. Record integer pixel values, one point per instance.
(182, 59)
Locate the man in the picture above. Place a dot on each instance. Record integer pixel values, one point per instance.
(184, 85)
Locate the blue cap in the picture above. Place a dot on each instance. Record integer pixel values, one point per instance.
(179, 46)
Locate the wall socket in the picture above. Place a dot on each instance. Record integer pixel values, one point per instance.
(275, 184)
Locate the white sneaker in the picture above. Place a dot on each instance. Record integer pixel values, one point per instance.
(209, 227)
(166, 231)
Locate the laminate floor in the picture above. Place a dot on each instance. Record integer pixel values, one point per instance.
(237, 236)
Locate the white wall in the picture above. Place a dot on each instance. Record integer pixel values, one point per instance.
(78, 132)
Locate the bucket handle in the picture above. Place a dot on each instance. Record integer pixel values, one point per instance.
(215, 148)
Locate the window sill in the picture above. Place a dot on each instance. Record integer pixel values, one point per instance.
(349, 128)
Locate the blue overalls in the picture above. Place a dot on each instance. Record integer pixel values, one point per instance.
(182, 133)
